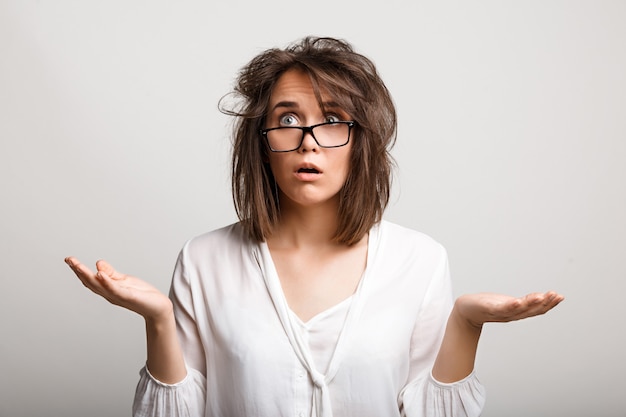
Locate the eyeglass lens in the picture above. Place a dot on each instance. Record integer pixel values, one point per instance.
(327, 135)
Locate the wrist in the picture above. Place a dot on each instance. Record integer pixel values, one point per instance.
(457, 352)
(462, 317)
(161, 318)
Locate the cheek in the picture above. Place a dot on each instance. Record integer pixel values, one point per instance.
(276, 166)
(344, 164)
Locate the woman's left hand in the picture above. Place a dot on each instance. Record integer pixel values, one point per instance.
(481, 308)
(458, 348)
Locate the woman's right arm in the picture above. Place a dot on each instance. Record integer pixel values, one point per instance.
(165, 358)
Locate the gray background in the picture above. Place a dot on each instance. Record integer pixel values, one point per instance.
(511, 152)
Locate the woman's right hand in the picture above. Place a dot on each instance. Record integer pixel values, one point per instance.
(123, 290)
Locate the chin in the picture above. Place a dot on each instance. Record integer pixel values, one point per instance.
(314, 200)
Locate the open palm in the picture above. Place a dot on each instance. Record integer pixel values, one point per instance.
(121, 289)
(489, 307)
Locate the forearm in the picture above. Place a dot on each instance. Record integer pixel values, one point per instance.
(457, 353)
(165, 358)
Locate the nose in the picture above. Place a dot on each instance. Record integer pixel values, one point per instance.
(308, 143)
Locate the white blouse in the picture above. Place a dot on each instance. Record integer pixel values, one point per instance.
(248, 354)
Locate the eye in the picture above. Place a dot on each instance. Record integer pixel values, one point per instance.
(288, 120)
(332, 118)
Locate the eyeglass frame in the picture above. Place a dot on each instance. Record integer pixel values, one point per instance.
(309, 129)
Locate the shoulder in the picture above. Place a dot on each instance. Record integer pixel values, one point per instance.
(397, 235)
(231, 232)
(218, 241)
(402, 244)
(209, 261)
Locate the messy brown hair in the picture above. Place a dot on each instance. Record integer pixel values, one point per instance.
(353, 82)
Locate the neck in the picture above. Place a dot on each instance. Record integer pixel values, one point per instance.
(306, 226)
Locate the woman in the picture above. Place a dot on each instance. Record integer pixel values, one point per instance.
(310, 305)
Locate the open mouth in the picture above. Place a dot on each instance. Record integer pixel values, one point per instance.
(309, 170)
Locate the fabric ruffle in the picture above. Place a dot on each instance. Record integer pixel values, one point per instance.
(154, 398)
(428, 397)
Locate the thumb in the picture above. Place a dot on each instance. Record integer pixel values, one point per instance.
(104, 266)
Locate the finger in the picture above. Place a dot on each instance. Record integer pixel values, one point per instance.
(522, 307)
(86, 275)
(110, 287)
(115, 292)
(107, 268)
(549, 300)
(553, 299)
(534, 298)
(72, 261)
(79, 269)
(534, 304)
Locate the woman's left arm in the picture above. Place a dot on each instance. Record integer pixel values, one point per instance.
(457, 353)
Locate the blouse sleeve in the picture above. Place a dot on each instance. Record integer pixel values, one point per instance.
(187, 397)
(154, 398)
(423, 395)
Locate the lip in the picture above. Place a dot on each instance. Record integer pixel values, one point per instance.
(306, 175)
(308, 165)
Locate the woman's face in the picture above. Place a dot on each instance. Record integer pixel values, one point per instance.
(310, 175)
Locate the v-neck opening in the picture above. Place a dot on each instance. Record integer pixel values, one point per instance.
(292, 327)
(270, 261)
(324, 313)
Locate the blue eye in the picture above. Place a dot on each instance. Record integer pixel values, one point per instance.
(288, 120)
(331, 118)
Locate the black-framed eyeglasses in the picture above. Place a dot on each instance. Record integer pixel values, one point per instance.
(326, 135)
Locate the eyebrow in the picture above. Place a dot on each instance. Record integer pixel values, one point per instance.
(294, 105)
(286, 104)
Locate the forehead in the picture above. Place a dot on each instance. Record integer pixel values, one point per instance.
(294, 89)
(292, 82)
